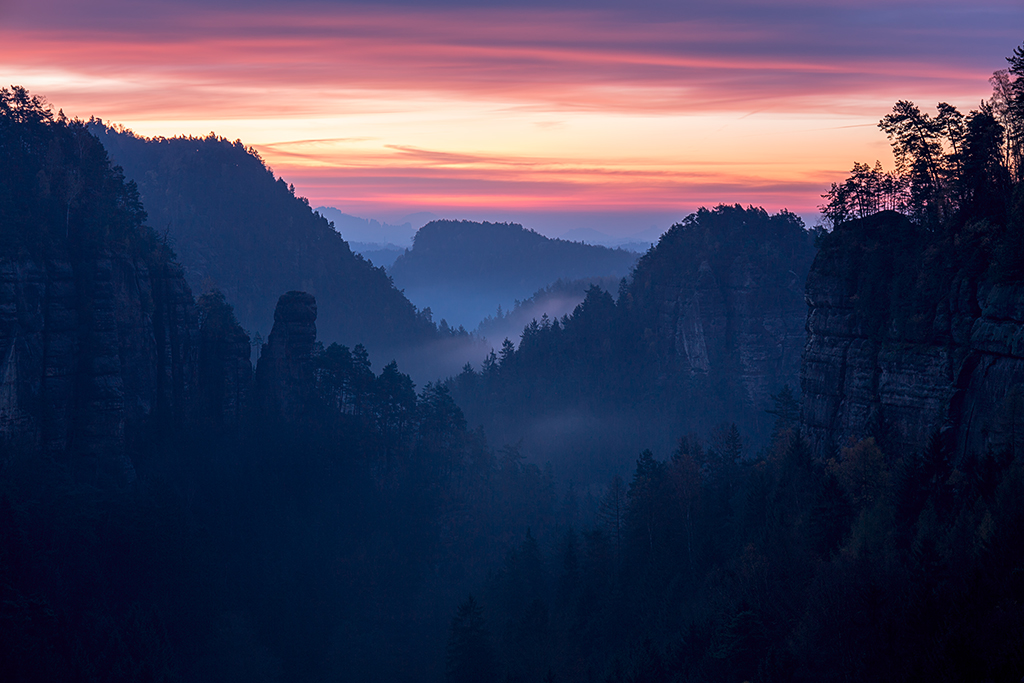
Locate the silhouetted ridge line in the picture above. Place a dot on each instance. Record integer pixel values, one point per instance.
(238, 229)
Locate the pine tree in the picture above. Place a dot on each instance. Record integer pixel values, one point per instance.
(612, 514)
(469, 657)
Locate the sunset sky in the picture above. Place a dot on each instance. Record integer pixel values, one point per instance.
(558, 115)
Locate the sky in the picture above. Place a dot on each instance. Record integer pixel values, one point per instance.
(563, 114)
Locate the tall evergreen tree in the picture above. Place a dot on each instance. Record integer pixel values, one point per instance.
(470, 657)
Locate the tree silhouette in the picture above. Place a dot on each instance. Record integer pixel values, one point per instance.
(612, 514)
(469, 657)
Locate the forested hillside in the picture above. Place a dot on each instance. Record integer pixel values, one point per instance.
(238, 229)
(708, 328)
(463, 270)
(559, 298)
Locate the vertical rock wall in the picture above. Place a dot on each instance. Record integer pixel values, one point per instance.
(720, 303)
(900, 350)
(225, 368)
(97, 355)
(733, 327)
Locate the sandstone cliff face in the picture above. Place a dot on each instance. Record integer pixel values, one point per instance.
(284, 374)
(95, 351)
(892, 356)
(733, 324)
(99, 337)
(723, 299)
(225, 368)
(99, 354)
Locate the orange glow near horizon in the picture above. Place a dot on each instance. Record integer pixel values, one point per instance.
(453, 110)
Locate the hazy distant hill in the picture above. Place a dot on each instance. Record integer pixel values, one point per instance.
(368, 230)
(462, 270)
(639, 242)
(237, 228)
(381, 255)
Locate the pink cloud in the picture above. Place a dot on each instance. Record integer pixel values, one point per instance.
(172, 61)
(567, 60)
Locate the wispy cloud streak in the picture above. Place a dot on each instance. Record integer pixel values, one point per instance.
(681, 97)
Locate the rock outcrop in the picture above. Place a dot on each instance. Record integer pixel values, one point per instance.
(731, 323)
(901, 349)
(101, 347)
(284, 374)
(100, 355)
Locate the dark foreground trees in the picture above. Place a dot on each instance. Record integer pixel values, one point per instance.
(316, 551)
(469, 655)
(870, 566)
(951, 168)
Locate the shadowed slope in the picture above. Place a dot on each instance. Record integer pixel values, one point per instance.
(236, 228)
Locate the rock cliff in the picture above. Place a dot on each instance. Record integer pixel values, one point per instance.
(721, 298)
(96, 352)
(904, 343)
(101, 354)
(225, 369)
(101, 348)
(284, 374)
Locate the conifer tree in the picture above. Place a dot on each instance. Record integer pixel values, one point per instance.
(469, 657)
